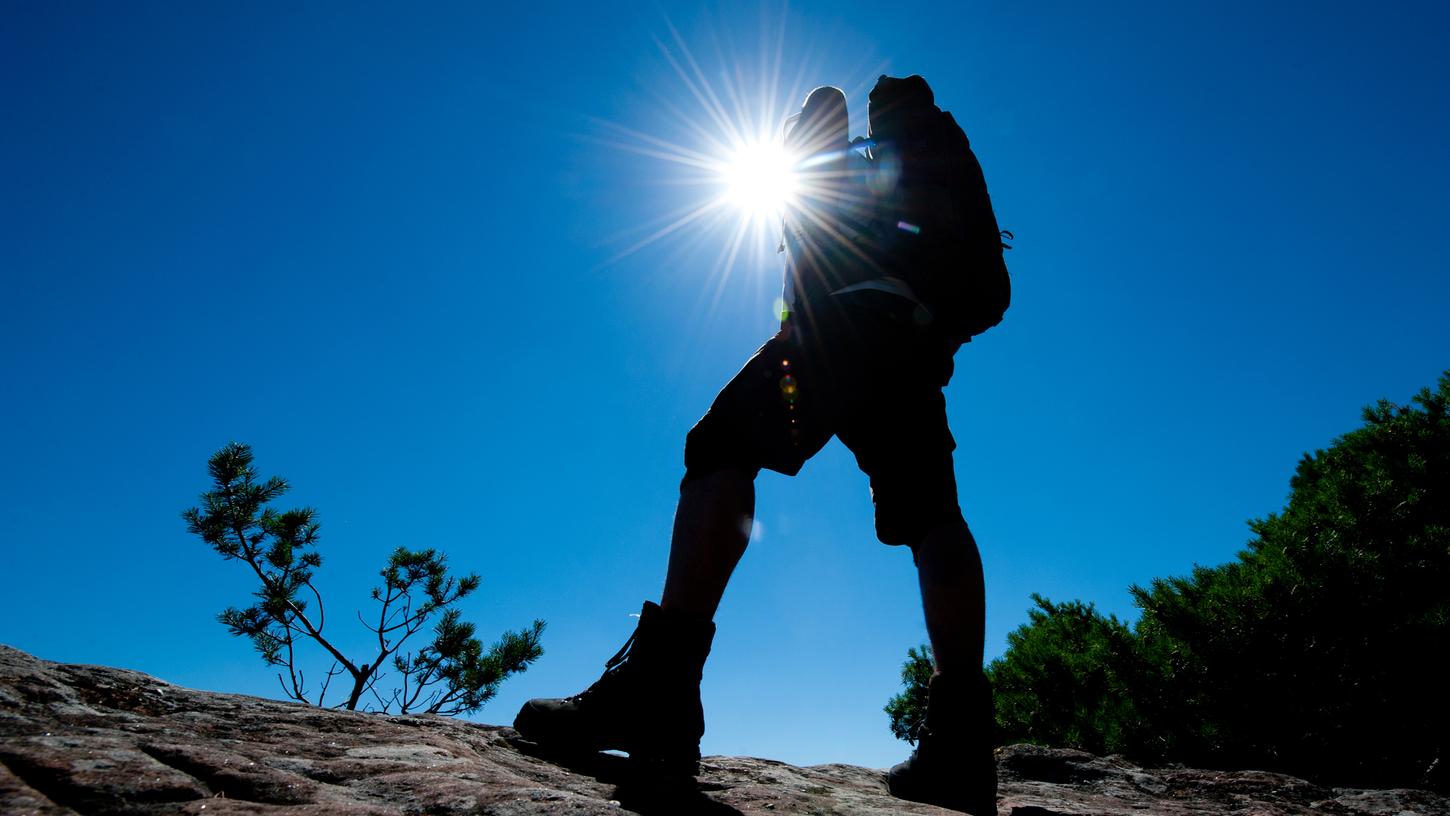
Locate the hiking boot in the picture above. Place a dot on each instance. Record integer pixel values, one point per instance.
(953, 765)
(647, 703)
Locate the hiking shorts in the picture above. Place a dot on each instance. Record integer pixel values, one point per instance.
(858, 367)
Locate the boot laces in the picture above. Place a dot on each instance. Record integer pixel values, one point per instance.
(623, 653)
(612, 669)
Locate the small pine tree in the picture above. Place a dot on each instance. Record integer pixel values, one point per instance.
(452, 674)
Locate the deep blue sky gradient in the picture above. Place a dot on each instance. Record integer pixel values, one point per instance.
(384, 247)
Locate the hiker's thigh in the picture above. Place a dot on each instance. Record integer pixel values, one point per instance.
(892, 416)
(760, 419)
(903, 444)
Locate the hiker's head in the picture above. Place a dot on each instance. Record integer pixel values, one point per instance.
(896, 105)
(822, 124)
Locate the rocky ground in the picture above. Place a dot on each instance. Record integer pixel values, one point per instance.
(90, 739)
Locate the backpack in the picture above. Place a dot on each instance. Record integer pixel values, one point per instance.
(936, 228)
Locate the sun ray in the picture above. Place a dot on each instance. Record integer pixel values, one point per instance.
(699, 85)
(733, 249)
(682, 221)
(659, 148)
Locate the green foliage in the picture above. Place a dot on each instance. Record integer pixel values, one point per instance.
(907, 710)
(452, 674)
(1067, 678)
(1314, 652)
(1317, 650)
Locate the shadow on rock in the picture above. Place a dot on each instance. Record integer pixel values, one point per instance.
(668, 797)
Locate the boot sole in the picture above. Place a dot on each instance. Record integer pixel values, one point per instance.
(682, 763)
(956, 787)
(683, 760)
(947, 802)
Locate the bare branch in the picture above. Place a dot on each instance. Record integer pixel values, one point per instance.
(316, 634)
(425, 680)
(332, 672)
(383, 616)
(299, 692)
(386, 704)
(286, 690)
(414, 622)
(406, 610)
(364, 622)
(372, 681)
(321, 612)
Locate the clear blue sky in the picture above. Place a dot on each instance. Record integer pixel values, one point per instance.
(383, 246)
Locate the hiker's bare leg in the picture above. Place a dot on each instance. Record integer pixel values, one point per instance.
(954, 764)
(712, 527)
(953, 596)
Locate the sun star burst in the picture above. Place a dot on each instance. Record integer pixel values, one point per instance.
(760, 179)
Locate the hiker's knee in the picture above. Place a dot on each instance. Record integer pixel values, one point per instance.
(947, 542)
(708, 451)
(909, 524)
(725, 479)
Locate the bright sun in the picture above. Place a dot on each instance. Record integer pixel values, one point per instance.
(760, 179)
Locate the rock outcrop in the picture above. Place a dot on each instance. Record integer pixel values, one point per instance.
(90, 739)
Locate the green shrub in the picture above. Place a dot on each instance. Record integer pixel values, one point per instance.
(1315, 652)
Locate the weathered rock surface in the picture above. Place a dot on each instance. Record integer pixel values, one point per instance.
(89, 739)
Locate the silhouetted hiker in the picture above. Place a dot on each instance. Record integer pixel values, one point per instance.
(863, 354)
